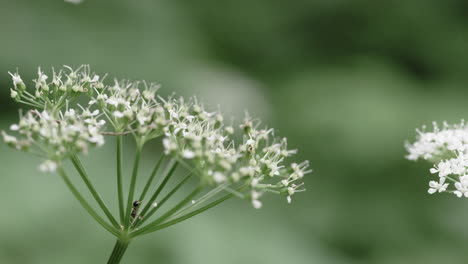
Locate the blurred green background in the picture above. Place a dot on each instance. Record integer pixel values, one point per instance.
(346, 81)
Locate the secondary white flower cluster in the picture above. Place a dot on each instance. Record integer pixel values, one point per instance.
(192, 135)
(447, 148)
(54, 93)
(56, 137)
(132, 106)
(259, 161)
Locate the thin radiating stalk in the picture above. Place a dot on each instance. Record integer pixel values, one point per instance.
(202, 199)
(119, 179)
(79, 167)
(169, 173)
(162, 202)
(132, 186)
(118, 252)
(172, 211)
(151, 178)
(85, 204)
(181, 218)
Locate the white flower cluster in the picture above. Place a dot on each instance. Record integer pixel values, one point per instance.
(132, 106)
(201, 137)
(447, 148)
(189, 133)
(54, 93)
(56, 137)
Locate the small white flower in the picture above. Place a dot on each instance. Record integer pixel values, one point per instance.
(254, 182)
(229, 130)
(188, 154)
(16, 79)
(98, 139)
(118, 114)
(443, 168)
(48, 166)
(9, 139)
(95, 77)
(149, 94)
(42, 78)
(13, 93)
(219, 177)
(14, 127)
(112, 101)
(257, 204)
(440, 186)
(169, 145)
(190, 118)
(300, 170)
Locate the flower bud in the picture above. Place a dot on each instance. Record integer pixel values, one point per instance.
(63, 88)
(14, 94)
(45, 87)
(21, 86)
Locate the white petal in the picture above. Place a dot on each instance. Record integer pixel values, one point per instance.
(257, 204)
(118, 114)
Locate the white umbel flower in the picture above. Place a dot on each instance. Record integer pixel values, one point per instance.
(64, 134)
(221, 155)
(440, 186)
(447, 149)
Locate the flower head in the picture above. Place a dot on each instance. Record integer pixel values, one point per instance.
(447, 149)
(259, 160)
(252, 159)
(55, 137)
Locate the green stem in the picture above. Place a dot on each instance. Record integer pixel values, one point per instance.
(159, 189)
(151, 178)
(170, 212)
(118, 252)
(119, 179)
(163, 201)
(85, 204)
(32, 101)
(202, 199)
(79, 167)
(181, 218)
(30, 104)
(131, 192)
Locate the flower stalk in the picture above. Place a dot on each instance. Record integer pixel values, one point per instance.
(151, 178)
(131, 192)
(79, 167)
(150, 203)
(155, 207)
(119, 179)
(85, 204)
(118, 251)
